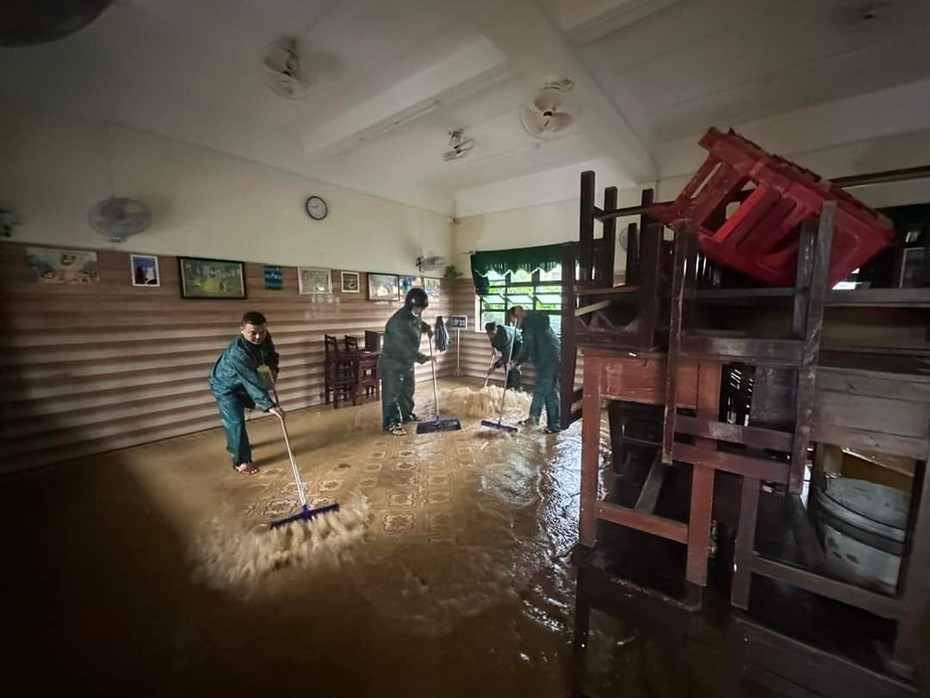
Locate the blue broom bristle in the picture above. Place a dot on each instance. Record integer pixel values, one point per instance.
(305, 514)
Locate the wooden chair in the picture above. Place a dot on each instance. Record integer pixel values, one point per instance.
(368, 377)
(351, 343)
(339, 372)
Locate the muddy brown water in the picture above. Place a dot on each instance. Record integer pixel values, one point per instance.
(461, 584)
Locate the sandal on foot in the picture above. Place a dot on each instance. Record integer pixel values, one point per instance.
(399, 431)
(245, 469)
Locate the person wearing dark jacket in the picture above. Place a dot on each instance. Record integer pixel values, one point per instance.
(242, 378)
(542, 348)
(508, 342)
(400, 351)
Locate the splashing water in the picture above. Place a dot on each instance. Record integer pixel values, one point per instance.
(468, 402)
(235, 556)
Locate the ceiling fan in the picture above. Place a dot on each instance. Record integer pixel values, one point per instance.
(547, 115)
(430, 263)
(459, 146)
(283, 71)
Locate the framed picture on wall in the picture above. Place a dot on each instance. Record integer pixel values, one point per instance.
(314, 281)
(383, 287)
(350, 282)
(274, 278)
(54, 266)
(211, 278)
(408, 282)
(431, 286)
(144, 270)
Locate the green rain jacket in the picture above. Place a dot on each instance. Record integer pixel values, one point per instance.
(237, 370)
(541, 346)
(503, 337)
(402, 339)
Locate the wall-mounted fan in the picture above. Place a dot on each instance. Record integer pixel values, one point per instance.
(430, 263)
(548, 115)
(283, 71)
(117, 219)
(459, 146)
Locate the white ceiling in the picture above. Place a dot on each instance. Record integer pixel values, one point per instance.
(648, 74)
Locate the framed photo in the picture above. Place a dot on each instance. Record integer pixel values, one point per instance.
(211, 278)
(350, 282)
(274, 278)
(915, 267)
(144, 270)
(408, 282)
(431, 286)
(54, 266)
(383, 287)
(314, 281)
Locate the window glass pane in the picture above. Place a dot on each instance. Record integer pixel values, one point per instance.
(487, 317)
(494, 276)
(554, 275)
(549, 298)
(555, 321)
(521, 275)
(520, 299)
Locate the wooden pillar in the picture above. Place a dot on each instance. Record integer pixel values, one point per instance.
(609, 241)
(586, 229)
(569, 342)
(590, 449)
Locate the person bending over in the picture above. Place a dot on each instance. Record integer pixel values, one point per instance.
(243, 377)
(507, 341)
(542, 348)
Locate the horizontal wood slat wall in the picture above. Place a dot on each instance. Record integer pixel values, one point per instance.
(91, 368)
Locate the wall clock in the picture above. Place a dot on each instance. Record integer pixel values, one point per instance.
(317, 208)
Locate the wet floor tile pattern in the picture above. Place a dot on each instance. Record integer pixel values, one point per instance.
(413, 484)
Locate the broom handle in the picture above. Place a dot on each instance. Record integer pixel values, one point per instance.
(513, 341)
(432, 366)
(287, 444)
(290, 454)
(488, 376)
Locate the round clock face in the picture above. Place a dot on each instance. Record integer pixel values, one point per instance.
(317, 208)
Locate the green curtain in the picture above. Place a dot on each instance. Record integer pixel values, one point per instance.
(544, 257)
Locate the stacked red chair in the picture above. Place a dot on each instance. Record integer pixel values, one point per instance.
(761, 237)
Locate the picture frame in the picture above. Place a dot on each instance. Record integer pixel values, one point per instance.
(217, 279)
(143, 270)
(408, 282)
(58, 266)
(274, 277)
(431, 286)
(350, 282)
(915, 267)
(313, 281)
(383, 287)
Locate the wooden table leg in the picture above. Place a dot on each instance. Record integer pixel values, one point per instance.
(751, 489)
(590, 450)
(914, 584)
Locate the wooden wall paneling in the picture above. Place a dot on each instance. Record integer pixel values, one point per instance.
(91, 368)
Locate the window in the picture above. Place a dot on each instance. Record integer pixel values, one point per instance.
(536, 290)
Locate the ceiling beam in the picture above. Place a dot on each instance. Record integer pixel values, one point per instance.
(476, 64)
(534, 46)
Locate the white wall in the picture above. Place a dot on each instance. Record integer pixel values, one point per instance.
(551, 222)
(53, 169)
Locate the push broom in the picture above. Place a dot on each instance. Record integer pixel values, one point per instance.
(305, 513)
(499, 424)
(437, 423)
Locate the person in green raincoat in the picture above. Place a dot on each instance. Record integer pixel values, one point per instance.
(242, 378)
(401, 349)
(502, 337)
(542, 348)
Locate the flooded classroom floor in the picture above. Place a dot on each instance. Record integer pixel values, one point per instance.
(450, 573)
